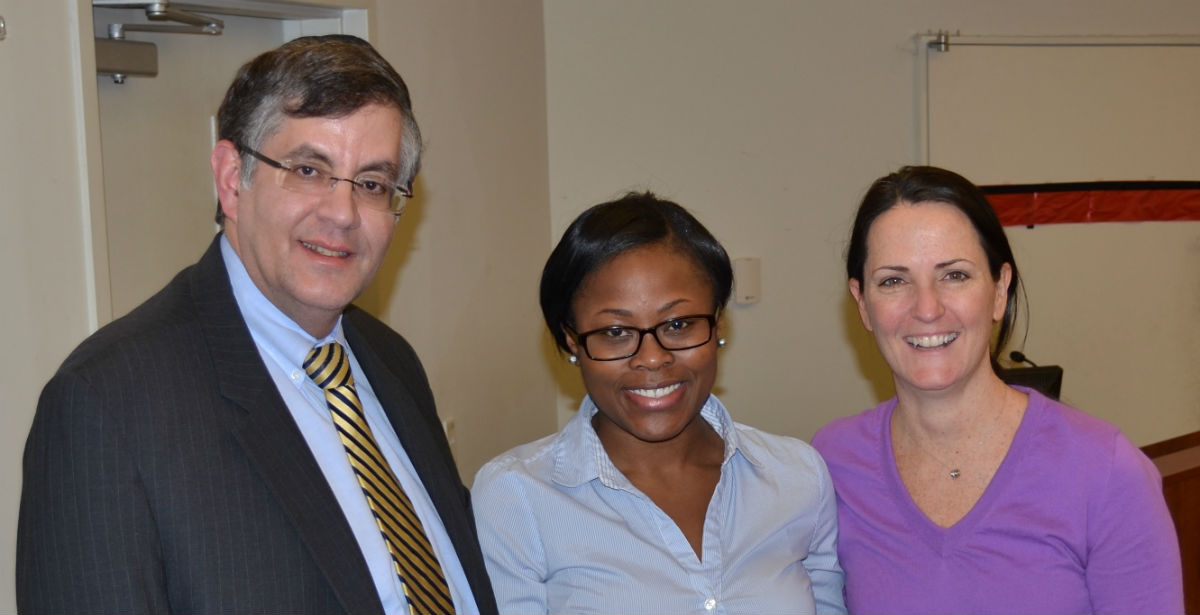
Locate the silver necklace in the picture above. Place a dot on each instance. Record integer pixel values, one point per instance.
(955, 472)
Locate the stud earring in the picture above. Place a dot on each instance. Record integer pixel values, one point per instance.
(720, 342)
(573, 360)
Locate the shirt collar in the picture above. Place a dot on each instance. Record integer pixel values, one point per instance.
(271, 329)
(579, 457)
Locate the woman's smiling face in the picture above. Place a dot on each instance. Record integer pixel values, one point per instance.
(928, 296)
(655, 394)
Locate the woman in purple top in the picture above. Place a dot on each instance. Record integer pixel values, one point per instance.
(963, 494)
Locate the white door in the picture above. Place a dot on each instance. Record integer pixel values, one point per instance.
(157, 133)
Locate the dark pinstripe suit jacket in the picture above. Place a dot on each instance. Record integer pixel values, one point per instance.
(163, 472)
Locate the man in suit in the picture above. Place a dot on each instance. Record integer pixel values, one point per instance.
(192, 456)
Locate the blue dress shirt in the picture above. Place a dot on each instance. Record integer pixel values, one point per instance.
(563, 531)
(283, 345)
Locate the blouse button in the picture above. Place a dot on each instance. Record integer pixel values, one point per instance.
(710, 604)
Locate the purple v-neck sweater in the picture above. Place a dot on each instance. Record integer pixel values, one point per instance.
(1074, 521)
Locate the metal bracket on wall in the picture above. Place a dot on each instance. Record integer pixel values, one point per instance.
(940, 40)
(121, 58)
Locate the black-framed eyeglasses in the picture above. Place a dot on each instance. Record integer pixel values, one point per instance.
(615, 343)
(373, 189)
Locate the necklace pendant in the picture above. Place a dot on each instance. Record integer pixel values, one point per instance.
(954, 474)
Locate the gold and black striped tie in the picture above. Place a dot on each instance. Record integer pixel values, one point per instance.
(413, 557)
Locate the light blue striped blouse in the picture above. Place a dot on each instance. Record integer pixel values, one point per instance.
(563, 531)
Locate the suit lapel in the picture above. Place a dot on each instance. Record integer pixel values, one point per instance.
(272, 441)
(398, 401)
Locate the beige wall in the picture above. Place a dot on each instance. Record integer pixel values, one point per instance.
(766, 118)
(1115, 303)
(464, 287)
(43, 240)
(769, 119)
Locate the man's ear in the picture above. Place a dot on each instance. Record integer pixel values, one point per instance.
(861, 301)
(226, 165)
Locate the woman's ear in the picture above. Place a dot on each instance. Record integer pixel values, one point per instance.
(861, 301)
(571, 343)
(1002, 292)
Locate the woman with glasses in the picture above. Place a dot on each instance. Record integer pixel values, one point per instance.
(651, 499)
(963, 494)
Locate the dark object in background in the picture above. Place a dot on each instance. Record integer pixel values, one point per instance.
(1046, 379)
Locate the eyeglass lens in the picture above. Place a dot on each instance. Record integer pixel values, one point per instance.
(621, 342)
(369, 190)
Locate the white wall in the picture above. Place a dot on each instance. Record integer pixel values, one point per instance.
(769, 119)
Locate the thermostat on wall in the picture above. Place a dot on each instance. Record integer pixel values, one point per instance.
(747, 280)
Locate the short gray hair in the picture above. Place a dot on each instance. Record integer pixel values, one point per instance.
(314, 76)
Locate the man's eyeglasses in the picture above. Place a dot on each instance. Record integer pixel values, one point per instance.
(371, 190)
(614, 343)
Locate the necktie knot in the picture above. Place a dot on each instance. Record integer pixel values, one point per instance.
(328, 366)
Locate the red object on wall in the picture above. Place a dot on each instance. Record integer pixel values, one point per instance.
(1032, 204)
